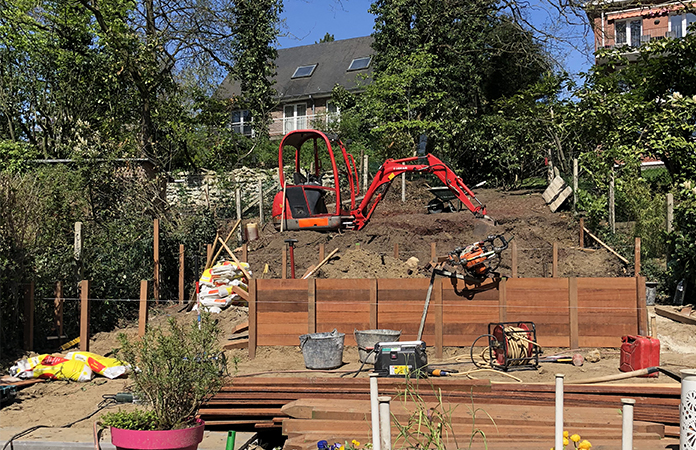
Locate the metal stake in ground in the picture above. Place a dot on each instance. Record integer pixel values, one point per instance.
(291, 245)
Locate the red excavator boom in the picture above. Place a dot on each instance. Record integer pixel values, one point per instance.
(420, 164)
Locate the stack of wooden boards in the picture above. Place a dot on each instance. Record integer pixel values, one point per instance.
(310, 409)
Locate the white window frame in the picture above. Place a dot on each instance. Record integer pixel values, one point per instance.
(296, 121)
(629, 38)
(684, 23)
(244, 121)
(332, 117)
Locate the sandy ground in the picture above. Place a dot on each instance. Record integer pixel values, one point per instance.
(370, 253)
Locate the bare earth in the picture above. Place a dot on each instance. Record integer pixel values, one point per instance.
(370, 253)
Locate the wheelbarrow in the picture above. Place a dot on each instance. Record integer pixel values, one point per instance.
(444, 200)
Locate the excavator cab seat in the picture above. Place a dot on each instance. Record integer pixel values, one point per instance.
(305, 201)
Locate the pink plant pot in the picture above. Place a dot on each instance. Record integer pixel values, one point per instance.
(184, 439)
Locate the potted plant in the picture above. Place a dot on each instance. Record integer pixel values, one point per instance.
(176, 369)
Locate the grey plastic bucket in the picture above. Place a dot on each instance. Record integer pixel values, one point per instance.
(368, 339)
(650, 292)
(322, 350)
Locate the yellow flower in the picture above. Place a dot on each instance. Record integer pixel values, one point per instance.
(575, 438)
(343, 447)
(565, 442)
(584, 445)
(355, 443)
(565, 434)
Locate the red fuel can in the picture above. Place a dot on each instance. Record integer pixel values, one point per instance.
(639, 352)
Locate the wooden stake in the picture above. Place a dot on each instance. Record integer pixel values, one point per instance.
(582, 232)
(554, 262)
(433, 253)
(155, 281)
(244, 271)
(636, 257)
(58, 304)
(84, 316)
(653, 326)
(238, 199)
(29, 316)
(253, 298)
(261, 203)
(282, 212)
(514, 259)
(142, 312)
(181, 274)
(284, 262)
(670, 212)
(322, 251)
(324, 261)
(245, 252)
(396, 250)
(575, 183)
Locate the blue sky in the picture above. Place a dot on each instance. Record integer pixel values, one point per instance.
(307, 21)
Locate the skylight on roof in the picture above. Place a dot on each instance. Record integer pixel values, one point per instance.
(360, 63)
(304, 71)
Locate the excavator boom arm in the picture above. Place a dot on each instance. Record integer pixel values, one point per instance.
(423, 164)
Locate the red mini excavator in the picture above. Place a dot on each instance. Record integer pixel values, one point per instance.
(308, 201)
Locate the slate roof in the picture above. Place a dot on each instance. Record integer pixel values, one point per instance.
(332, 59)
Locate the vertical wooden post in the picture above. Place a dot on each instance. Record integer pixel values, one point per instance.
(156, 279)
(261, 218)
(29, 316)
(374, 318)
(582, 232)
(84, 316)
(253, 298)
(182, 294)
(245, 252)
(439, 313)
(312, 305)
(58, 304)
(284, 262)
(642, 306)
(403, 187)
(238, 200)
(433, 253)
(554, 262)
(78, 250)
(365, 172)
(670, 212)
(636, 256)
(396, 250)
(208, 254)
(653, 326)
(575, 183)
(142, 311)
(502, 300)
(322, 251)
(574, 337)
(513, 266)
(612, 208)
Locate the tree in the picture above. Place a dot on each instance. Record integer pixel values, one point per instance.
(327, 38)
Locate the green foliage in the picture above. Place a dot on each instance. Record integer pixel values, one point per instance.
(327, 38)
(134, 420)
(178, 369)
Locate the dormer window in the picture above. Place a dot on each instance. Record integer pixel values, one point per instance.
(360, 63)
(304, 71)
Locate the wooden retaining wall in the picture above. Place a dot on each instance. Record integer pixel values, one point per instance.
(567, 312)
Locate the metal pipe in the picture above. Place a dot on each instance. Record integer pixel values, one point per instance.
(385, 422)
(687, 410)
(374, 409)
(627, 425)
(559, 411)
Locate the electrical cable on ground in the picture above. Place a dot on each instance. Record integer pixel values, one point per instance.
(108, 400)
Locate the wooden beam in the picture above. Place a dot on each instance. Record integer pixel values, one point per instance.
(611, 250)
(322, 251)
(84, 316)
(514, 259)
(554, 260)
(244, 295)
(311, 305)
(642, 306)
(636, 257)
(433, 253)
(142, 312)
(582, 232)
(244, 271)
(212, 260)
(241, 343)
(245, 252)
(253, 325)
(284, 263)
(574, 337)
(396, 250)
(438, 310)
(29, 316)
(244, 326)
(664, 312)
(324, 261)
(374, 319)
